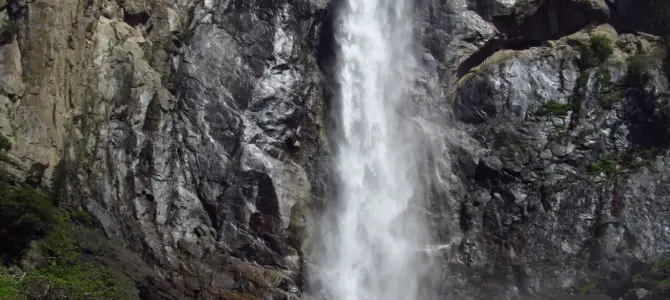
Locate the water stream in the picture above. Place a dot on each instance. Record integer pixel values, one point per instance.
(371, 244)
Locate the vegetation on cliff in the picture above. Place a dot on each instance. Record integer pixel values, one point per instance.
(39, 239)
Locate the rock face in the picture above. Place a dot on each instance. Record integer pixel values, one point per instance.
(186, 128)
(196, 135)
(555, 198)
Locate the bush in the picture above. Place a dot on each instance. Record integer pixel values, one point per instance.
(596, 52)
(82, 217)
(64, 275)
(35, 174)
(25, 214)
(608, 92)
(7, 31)
(602, 47)
(638, 70)
(75, 281)
(5, 144)
(607, 165)
(554, 109)
(588, 57)
(10, 286)
(67, 274)
(656, 278)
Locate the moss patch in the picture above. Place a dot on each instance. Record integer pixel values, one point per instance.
(240, 296)
(586, 288)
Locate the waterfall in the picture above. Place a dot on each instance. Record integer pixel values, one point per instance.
(372, 242)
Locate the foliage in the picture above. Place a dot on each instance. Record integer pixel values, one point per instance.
(554, 109)
(596, 52)
(35, 174)
(25, 214)
(59, 180)
(187, 32)
(656, 278)
(10, 286)
(64, 274)
(662, 265)
(578, 96)
(607, 165)
(7, 31)
(186, 36)
(5, 144)
(620, 163)
(240, 296)
(588, 57)
(68, 275)
(638, 70)
(59, 244)
(582, 81)
(608, 92)
(580, 138)
(82, 217)
(74, 281)
(587, 287)
(601, 47)
(633, 159)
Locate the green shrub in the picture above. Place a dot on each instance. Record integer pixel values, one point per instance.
(588, 57)
(608, 92)
(58, 244)
(10, 286)
(578, 94)
(67, 274)
(638, 70)
(596, 52)
(60, 280)
(7, 31)
(554, 109)
(607, 165)
(75, 281)
(35, 174)
(602, 47)
(82, 217)
(59, 180)
(656, 278)
(662, 265)
(582, 81)
(232, 295)
(25, 214)
(587, 287)
(62, 271)
(5, 144)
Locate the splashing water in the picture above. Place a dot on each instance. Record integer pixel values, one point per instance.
(371, 244)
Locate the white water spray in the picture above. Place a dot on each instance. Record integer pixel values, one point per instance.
(374, 240)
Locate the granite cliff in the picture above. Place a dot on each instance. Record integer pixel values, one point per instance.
(196, 135)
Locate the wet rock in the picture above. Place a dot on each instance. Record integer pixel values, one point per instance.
(196, 136)
(185, 134)
(546, 210)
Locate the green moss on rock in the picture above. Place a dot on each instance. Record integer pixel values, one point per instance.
(554, 109)
(240, 296)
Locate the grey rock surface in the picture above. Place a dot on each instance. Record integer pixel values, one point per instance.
(196, 132)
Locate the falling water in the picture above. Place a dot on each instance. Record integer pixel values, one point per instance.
(371, 245)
